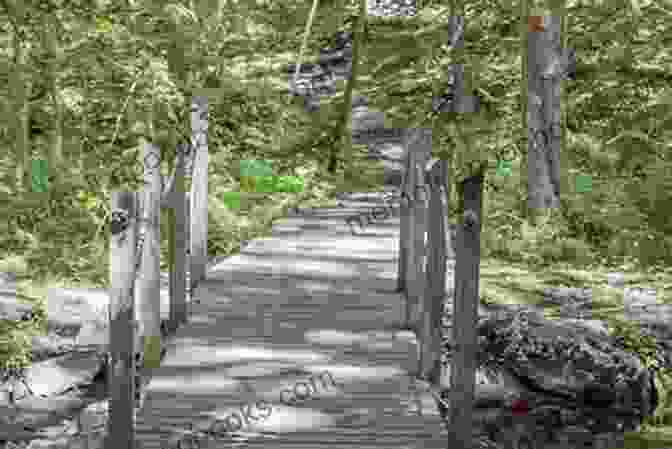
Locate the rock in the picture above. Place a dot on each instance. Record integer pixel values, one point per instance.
(7, 278)
(50, 345)
(598, 327)
(573, 302)
(13, 390)
(94, 417)
(360, 101)
(637, 297)
(391, 8)
(69, 309)
(11, 308)
(616, 280)
(392, 177)
(58, 443)
(34, 416)
(307, 68)
(366, 119)
(59, 374)
(564, 295)
(566, 360)
(343, 39)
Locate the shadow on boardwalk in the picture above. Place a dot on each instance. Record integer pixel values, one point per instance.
(268, 323)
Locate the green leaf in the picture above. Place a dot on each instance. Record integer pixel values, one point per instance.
(584, 183)
(266, 184)
(39, 175)
(504, 168)
(103, 25)
(232, 200)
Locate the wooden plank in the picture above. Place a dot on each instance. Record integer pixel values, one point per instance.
(121, 368)
(199, 190)
(148, 282)
(465, 318)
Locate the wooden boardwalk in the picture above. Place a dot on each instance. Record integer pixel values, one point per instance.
(311, 299)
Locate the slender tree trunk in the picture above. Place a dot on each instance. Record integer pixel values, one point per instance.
(523, 104)
(55, 153)
(306, 34)
(199, 191)
(543, 121)
(20, 86)
(344, 131)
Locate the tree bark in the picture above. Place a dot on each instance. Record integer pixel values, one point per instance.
(20, 85)
(465, 318)
(435, 292)
(147, 299)
(343, 131)
(199, 191)
(122, 339)
(55, 154)
(543, 119)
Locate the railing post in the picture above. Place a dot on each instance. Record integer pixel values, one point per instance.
(465, 313)
(199, 191)
(418, 144)
(404, 207)
(121, 367)
(148, 297)
(178, 277)
(430, 338)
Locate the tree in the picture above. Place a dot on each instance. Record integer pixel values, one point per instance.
(343, 128)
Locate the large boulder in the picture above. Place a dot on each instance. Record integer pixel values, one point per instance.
(80, 313)
(13, 306)
(568, 360)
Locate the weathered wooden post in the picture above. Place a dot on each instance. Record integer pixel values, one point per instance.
(178, 278)
(435, 291)
(148, 282)
(199, 191)
(418, 143)
(465, 316)
(122, 321)
(174, 200)
(404, 207)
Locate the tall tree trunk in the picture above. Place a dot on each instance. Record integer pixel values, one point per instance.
(543, 121)
(306, 33)
(524, 26)
(55, 153)
(199, 191)
(20, 85)
(344, 130)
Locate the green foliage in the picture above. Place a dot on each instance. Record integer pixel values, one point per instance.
(663, 414)
(16, 338)
(633, 340)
